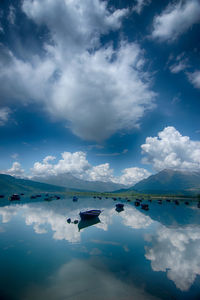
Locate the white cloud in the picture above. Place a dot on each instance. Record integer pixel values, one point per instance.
(86, 279)
(177, 18)
(178, 67)
(194, 78)
(176, 251)
(11, 15)
(4, 115)
(171, 150)
(16, 170)
(133, 175)
(97, 90)
(140, 5)
(77, 164)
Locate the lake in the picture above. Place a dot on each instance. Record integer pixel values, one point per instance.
(132, 254)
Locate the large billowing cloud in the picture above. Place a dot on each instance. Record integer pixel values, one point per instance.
(96, 89)
(171, 150)
(176, 251)
(177, 18)
(77, 164)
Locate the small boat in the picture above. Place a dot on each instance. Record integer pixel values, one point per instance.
(47, 199)
(145, 206)
(1, 196)
(75, 198)
(33, 197)
(14, 197)
(137, 203)
(89, 214)
(119, 205)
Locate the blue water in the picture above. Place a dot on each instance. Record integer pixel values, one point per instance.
(133, 254)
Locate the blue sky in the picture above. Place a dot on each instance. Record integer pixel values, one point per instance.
(88, 83)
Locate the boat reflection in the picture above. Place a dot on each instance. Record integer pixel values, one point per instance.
(83, 223)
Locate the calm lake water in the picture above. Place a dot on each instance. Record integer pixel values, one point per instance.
(133, 254)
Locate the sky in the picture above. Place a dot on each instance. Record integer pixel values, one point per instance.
(104, 90)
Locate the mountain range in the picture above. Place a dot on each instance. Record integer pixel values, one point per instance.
(164, 182)
(170, 182)
(11, 185)
(69, 181)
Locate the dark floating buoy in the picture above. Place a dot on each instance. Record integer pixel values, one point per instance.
(69, 220)
(128, 200)
(186, 203)
(198, 205)
(1, 196)
(176, 202)
(75, 221)
(137, 203)
(75, 198)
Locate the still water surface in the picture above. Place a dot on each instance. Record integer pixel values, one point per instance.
(132, 254)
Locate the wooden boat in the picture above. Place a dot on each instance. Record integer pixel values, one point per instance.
(145, 206)
(119, 205)
(14, 197)
(89, 214)
(75, 198)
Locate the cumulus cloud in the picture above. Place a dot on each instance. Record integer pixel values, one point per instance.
(97, 90)
(176, 19)
(138, 7)
(171, 150)
(16, 170)
(133, 175)
(176, 251)
(77, 164)
(194, 78)
(4, 115)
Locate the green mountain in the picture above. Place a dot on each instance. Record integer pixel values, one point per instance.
(11, 185)
(170, 182)
(69, 181)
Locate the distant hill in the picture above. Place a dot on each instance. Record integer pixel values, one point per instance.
(11, 185)
(170, 182)
(69, 181)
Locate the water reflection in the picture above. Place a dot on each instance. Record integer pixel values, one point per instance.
(83, 280)
(87, 223)
(165, 239)
(177, 252)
